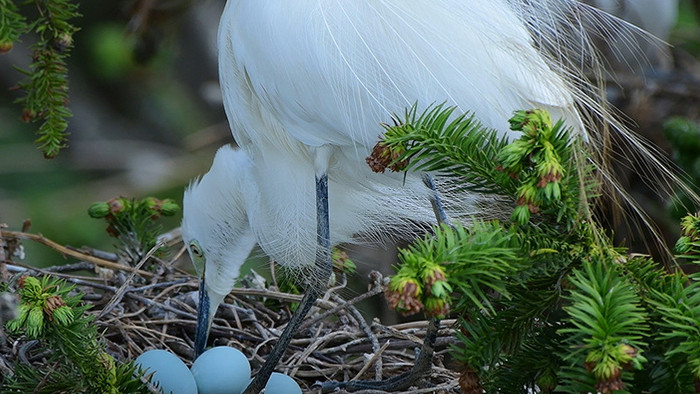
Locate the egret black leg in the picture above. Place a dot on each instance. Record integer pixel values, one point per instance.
(323, 269)
(424, 361)
(435, 200)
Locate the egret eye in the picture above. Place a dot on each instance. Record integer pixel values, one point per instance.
(195, 250)
(197, 256)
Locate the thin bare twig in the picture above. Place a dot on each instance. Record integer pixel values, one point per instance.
(371, 293)
(126, 286)
(71, 252)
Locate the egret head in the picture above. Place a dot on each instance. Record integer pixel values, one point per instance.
(216, 232)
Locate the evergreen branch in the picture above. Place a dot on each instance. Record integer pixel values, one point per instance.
(133, 222)
(12, 25)
(46, 82)
(537, 171)
(461, 147)
(674, 302)
(676, 318)
(608, 325)
(480, 259)
(479, 346)
(532, 366)
(51, 312)
(545, 301)
(472, 262)
(672, 310)
(666, 376)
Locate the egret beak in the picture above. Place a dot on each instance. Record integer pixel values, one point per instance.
(203, 320)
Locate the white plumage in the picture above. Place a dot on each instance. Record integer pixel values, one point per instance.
(328, 72)
(306, 88)
(321, 76)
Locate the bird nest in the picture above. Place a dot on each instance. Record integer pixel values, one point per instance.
(137, 310)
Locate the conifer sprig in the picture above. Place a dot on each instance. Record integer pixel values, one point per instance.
(46, 82)
(437, 141)
(12, 25)
(608, 325)
(529, 170)
(472, 262)
(51, 312)
(134, 222)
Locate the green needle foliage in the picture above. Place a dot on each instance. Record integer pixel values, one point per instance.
(546, 302)
(606, 326)
(134, 223)
(51, 313)
(45, 84)
(12, 24)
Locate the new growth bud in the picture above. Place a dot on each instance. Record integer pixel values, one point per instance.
(403, 294)
(5, 46)
(383, 157)
(169, 207)
(99, 210)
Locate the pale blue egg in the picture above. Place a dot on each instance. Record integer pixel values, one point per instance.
(169, 372)
(221, 370)
(280, 383)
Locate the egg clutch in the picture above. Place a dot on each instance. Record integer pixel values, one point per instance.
(220, 370)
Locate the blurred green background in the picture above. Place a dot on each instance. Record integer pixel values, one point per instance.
(148, 116)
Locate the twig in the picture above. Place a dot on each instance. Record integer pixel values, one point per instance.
(150, 302)
(376, 359)
(372, 292)
(318, 342)
(81, 266)
(372, 338)
(159, 285)
(24, 349)
(126, 286)
(420, 324)
(70, 252)
(362, 346)
(446, 387)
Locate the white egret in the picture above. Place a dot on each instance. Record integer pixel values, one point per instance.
(306, 85)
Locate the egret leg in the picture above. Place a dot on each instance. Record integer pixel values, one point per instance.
(424, 361)
(435, 200)
(323, 267)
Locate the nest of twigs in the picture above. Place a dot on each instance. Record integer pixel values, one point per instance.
(139, 310)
